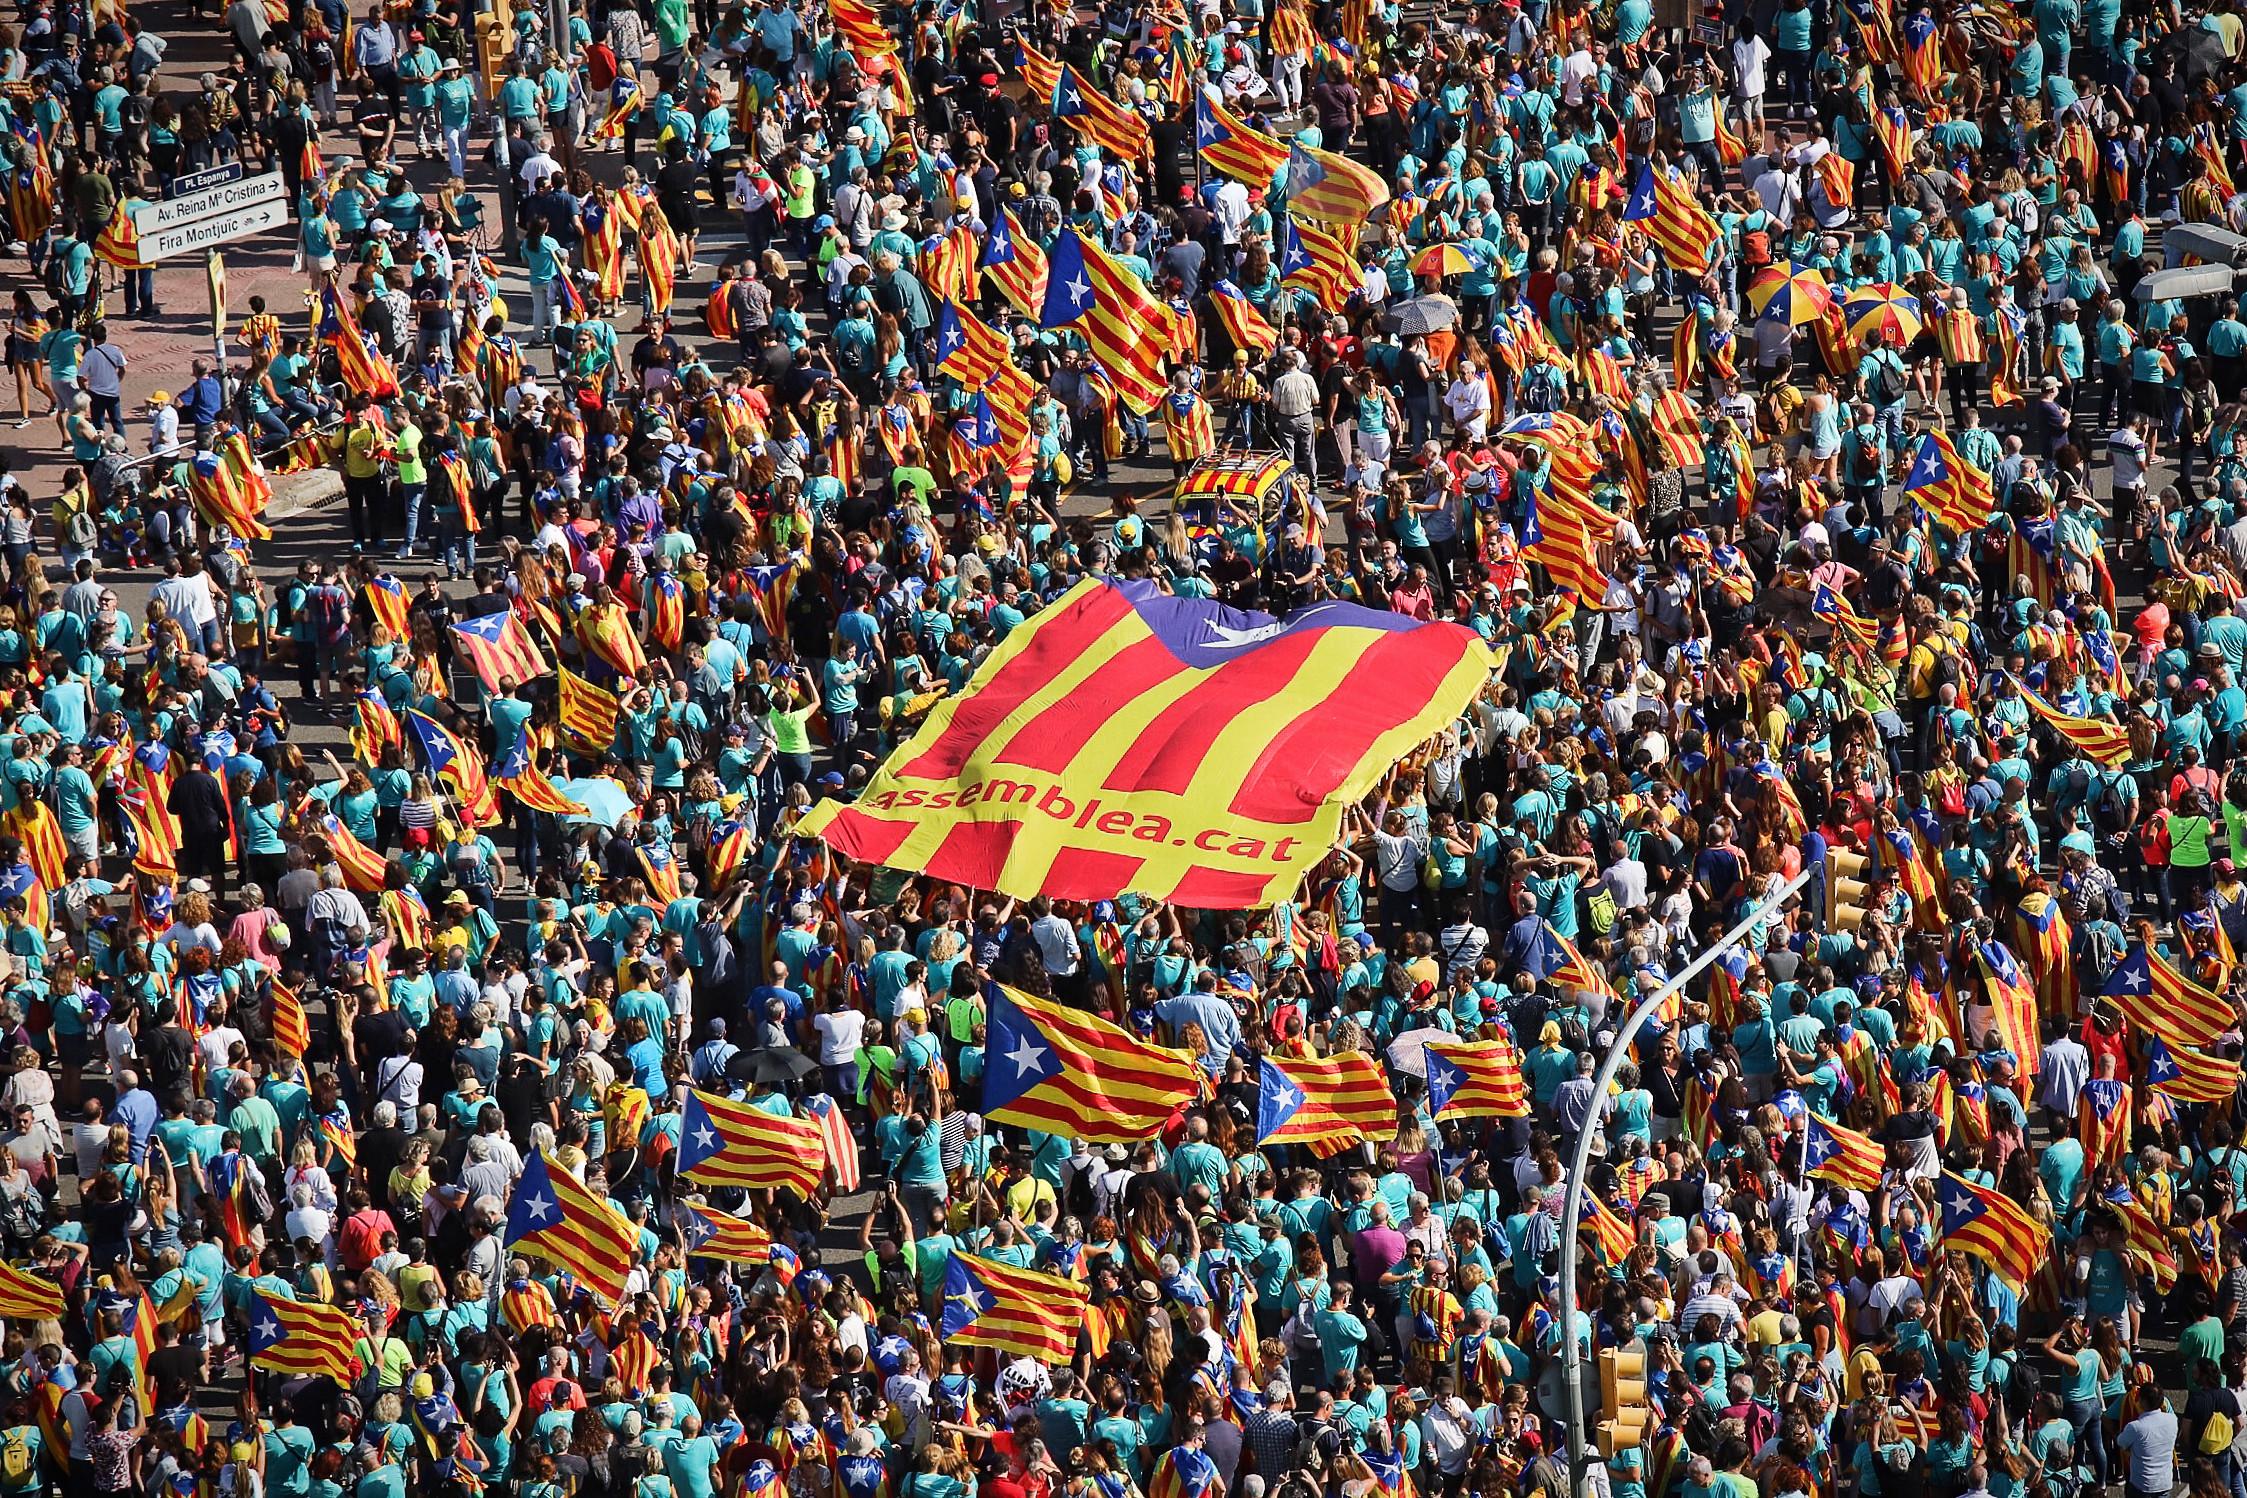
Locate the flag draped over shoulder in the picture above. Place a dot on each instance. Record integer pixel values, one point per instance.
(1021, 1311)
(556, 1216)
(2108, 743)
(1065, 1071)
(725, 1143)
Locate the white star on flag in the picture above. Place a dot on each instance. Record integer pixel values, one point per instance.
(539, 1208)
(1026, 1057)
(268, 1329)
(704, 1137)
(1080, 291)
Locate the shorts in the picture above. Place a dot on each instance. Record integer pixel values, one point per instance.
(73, 1049)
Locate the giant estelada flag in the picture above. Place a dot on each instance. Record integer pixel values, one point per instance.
(1124, 740)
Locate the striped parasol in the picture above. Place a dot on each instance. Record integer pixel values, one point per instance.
(1790, 293)
(1881, 310)
(1442, 260)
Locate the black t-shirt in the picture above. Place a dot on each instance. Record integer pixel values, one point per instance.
(177, 1370)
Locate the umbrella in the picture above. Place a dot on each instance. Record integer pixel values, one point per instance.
(605, 802)
(1442, 260)
(770, 1066)
(1422, 314)
(1881, 310)
(1790, 293)
(1408, 1053)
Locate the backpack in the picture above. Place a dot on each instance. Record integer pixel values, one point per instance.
(1755, 248)
(2106, 806)
(16, 1459)
(1887, 381)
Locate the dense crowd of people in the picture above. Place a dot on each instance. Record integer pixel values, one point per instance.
(1783, 395)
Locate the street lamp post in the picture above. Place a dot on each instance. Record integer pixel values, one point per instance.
(1571, 1315)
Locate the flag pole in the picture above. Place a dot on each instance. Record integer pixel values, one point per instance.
(1572, 1210)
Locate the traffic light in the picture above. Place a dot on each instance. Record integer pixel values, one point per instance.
(491, 53)
(1622, 1394)
(1848, 891)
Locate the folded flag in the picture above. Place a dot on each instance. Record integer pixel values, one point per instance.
(1070, 1072)
(1012, 1310)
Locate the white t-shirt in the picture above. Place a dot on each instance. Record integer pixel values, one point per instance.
(1749, 54)
(840, 1032)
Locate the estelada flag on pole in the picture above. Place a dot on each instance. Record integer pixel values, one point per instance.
(1995, 1229)
(717, 1236)
(1016, 264)
(291, 1032)
(1475, 1079)
(366, 370)
(2188, 1075)
(1324, 1100)
(725, 1143)
(554, 1215)
(303, 1337)
(518, 777)
(1021, 1311)
(500, 648)
(1235, 148)
(1067, 1071)
(362, 866)
(1612, 1237)
(1832, 1152)
(1332, 189)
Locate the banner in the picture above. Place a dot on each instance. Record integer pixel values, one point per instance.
(1124, 740)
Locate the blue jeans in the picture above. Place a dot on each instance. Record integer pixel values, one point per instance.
(412, 495)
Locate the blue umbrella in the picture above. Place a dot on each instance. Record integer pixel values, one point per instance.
(605, 802)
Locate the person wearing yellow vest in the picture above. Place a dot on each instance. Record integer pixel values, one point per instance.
(1959, 332)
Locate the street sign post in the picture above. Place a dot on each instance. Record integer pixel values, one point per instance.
(206, 233)
(212, 176)
(214, 269)
(211, 202)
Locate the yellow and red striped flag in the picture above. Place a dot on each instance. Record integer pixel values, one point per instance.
(1320, 259)
(1333, 1100)
(1574, 970)
(1676, 223)
(714, 1235)
(1235, 148)
(291, 1032)
(1612, 1238)
(968, 349)
(366, 370)
(1244, 326)
(1096, 117)
(1730, 149)
(1020, 1311)
(1016, 265)
(1851, 629)
(1210, 791)
(1832, 1152)
(25, 1296)
(362, 866)
(34, 825)
(1475, 1079)
(2157, 998)
(1070, 1072)
(1332, 189)
(303, 1338)
(521, 779)
(1040, 73)
(587, 713)
(2188, 1075)
(500, 648)
(119, 242)
(454, 761)
(2102, 1121)
(1087, 289)
(2148, 1244)
(2108, 743)
(556, 1216)
(2012, 1002)
(1993, 1228)
(1677, 428)
(725, 1143)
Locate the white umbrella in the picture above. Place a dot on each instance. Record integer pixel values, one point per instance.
(1408, 1053)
